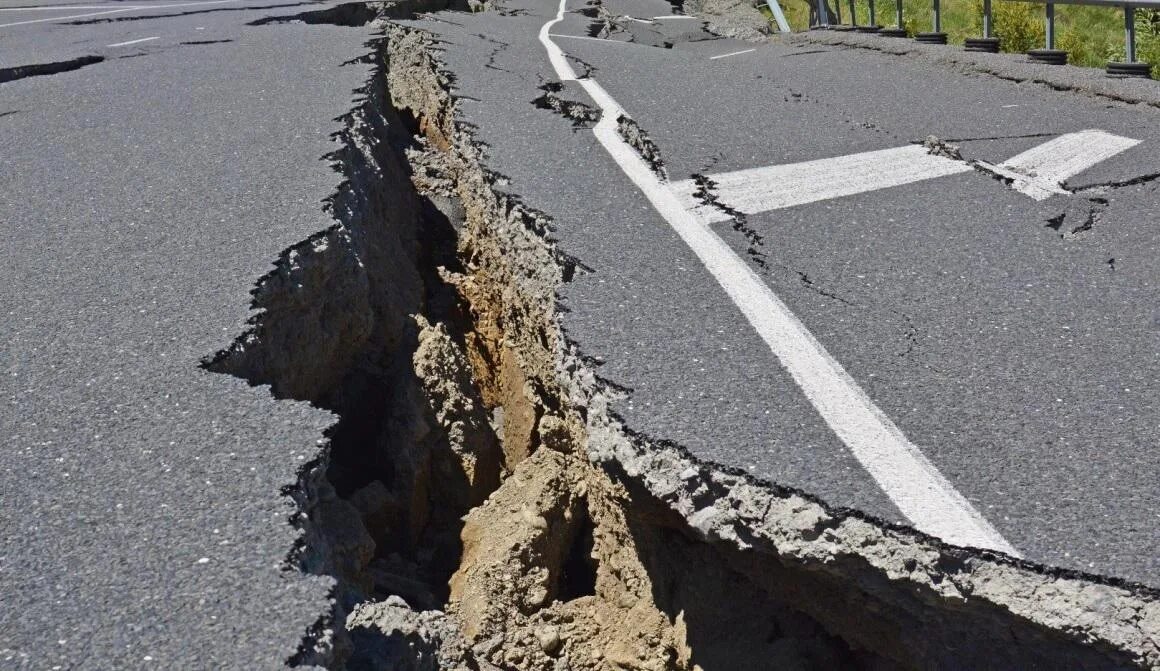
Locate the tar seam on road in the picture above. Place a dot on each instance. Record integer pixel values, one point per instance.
(732, 53)
(915, 486)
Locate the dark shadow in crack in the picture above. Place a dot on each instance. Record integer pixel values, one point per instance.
(41, 69)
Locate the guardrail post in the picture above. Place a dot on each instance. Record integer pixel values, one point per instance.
(1050, 28)
(1130, 68)
(937, 36)
(1130, 33)
(823, 14)
(988, 42)
(853, 15)
(898, 30)
(1050, 55)
(871, 27)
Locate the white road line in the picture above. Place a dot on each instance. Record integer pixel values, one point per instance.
(599, 39)
(59, 8)
(1041, 171)
(65, 18)
(915, 486)
(125, 44)
(130, 8)
(675, 17)
(732, 53)
(778, 186)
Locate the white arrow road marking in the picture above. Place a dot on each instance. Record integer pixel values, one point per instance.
(915, 486)
(1038, 173)
(777, 186)
(1041, 171)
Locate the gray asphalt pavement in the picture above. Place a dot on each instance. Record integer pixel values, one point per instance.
(141, 524)
(141, 519)
(1020, 360)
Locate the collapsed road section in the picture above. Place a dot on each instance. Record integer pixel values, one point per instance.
(478, 504)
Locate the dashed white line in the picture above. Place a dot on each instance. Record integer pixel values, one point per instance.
(732, 53)
(915, 486)
(125, 44)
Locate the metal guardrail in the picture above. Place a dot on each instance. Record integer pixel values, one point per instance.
(989, 42)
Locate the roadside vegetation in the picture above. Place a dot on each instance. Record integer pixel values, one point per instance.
(1092, 36)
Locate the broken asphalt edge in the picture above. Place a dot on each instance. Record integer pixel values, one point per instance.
(891, 565)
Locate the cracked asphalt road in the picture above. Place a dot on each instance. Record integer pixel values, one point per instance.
(140, 509)
(142, 523)
(1022, 359)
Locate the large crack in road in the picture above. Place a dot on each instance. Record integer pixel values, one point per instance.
(479, 505)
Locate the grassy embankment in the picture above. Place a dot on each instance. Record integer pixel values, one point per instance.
(1091, 35)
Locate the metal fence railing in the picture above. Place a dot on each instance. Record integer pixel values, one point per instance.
(990, 42)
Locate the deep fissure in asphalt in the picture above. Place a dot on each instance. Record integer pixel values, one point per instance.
(478, 504)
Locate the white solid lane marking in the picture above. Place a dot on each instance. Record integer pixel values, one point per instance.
(732, 53)
(674, 17)
(599, 39)
(65, 18)
(1041, 171)
(57, 8)
(778, 186)
(125, 44)
(915, 486)
(130, 8)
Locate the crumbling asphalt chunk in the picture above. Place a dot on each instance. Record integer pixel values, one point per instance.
(936, 147)
(1078, 217)
(631, 132)
(580, 114)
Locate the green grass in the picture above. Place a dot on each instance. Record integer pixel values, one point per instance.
(1092, 36)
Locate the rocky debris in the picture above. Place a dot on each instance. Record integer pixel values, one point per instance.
(936, 147)
(639, 140)
(730, 18)
(581, 114)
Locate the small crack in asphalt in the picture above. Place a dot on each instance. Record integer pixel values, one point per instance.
(705, 193)
(580, 114)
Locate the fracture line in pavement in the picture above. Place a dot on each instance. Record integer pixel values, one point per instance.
(1041, 171)
(915, 486)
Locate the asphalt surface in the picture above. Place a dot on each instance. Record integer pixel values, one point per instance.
(141, 520)
(1022, 363)
(140, 509)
